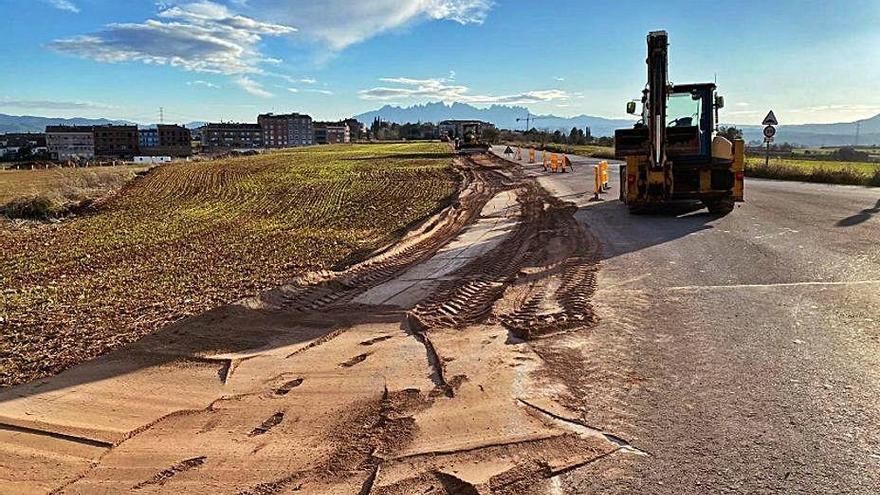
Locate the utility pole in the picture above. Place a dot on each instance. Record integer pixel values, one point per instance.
(858, 130)
(161, 115)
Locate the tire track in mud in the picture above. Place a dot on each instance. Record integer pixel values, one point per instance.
(549, 261)
(162, 477)
(477, 293)
(537, 282)
(334, 289)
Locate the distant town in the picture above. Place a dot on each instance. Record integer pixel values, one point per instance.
(98, 144)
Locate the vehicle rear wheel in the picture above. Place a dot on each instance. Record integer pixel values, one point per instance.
(719, 206)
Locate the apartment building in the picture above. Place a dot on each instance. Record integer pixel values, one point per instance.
(222, 136)
(165, 140)
(174, 140)
(116, 141)
(70, 142)
(356, 129)
(148, 138)
(286, 130)
(332, 133)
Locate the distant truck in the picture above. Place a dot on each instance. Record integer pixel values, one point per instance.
(152, 159)
(674, 152)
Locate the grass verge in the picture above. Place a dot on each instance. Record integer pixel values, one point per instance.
(825, 172)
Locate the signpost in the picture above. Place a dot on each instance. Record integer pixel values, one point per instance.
(769, 132)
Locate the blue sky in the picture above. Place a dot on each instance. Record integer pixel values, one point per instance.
(811, 61)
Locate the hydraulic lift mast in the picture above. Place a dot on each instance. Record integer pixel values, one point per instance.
(657, 94)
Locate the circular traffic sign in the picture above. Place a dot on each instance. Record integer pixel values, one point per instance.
(769, 131)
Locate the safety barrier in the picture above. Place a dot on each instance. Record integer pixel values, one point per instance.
(603, 169)
(566, 164)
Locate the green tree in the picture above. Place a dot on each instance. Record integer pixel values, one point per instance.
(730, 132)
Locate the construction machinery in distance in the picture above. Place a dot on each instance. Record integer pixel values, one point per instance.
(674, 152)
(470, 140)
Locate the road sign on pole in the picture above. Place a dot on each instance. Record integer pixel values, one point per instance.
(769, 133)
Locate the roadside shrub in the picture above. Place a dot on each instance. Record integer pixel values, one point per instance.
(849, 154)
(41, 207)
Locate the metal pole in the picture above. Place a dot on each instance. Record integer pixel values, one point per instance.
(767, 159)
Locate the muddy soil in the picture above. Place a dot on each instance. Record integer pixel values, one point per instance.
(413, 372)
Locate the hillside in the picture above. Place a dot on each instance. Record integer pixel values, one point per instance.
(840, 134)
(29, 123)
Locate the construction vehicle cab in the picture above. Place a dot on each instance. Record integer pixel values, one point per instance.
(674, 152)
(470, 141)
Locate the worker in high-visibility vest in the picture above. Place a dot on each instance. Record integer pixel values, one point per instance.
(545, 158)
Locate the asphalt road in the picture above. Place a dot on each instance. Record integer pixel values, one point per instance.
(742, 352)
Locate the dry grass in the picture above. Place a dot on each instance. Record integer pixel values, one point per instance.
(827, 172)
(188, 237)
(64, 182)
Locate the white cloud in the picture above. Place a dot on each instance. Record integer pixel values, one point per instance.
(836, 108)
(441, 89)
(64, 5)
(293, 90)
(341, 23)
(308, 80)
(51, 105)
(206, 84)
(252, 87)
(201, 36)
(319, 91)
(560, 79)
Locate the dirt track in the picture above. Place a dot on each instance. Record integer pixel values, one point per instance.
(408, 373)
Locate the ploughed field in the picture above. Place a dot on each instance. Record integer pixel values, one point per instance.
(191, 236)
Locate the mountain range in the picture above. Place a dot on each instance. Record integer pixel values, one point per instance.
(512, 117)
(29, 123)
(504, 117)
(839, 134)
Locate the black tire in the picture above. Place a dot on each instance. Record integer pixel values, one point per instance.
(719, 206)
